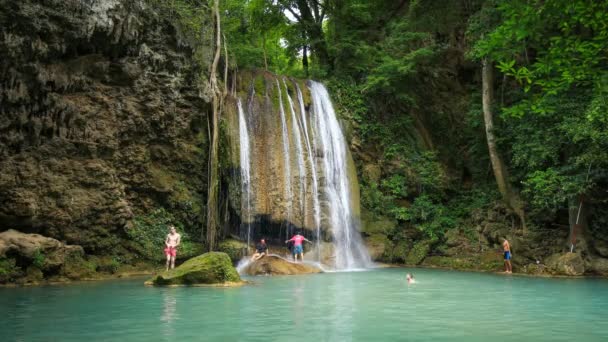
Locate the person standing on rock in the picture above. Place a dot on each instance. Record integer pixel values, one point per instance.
(261, 249)
(506, 246)
(297, 246)
(171, 243)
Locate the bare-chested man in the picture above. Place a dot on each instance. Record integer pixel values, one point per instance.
(171, 242)
(506, 246)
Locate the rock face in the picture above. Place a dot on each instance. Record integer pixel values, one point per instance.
(102, 118)
(570, 264)
(207, 269)
(41, 255)
(274, 265)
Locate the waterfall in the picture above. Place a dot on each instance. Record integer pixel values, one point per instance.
(295, 128)
(245, 164)
(296, 171)
(350, 253)
(313, 170)
(287, 161)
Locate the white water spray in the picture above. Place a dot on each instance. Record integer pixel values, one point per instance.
(244, 151)
(350, 253)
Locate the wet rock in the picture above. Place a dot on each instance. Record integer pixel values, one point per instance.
(274, 265)
(570, 264)
(211, 268)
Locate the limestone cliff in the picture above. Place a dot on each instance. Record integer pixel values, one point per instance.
(102, 118)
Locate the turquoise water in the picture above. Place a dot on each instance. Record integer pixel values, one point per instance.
(361, 306)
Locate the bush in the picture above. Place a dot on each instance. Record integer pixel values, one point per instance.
(9, 270)
(38, 259)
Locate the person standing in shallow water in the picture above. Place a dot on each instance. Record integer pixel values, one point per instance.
(506, 246)
(297, 246)
(171, 243)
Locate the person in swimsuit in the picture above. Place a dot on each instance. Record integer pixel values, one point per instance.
(410, 278)
(261, 249)
(506, 246)
(171, 242)
(297, 246)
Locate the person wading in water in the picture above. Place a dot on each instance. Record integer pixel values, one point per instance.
(506, 246)
(297, 246)
(171, 242)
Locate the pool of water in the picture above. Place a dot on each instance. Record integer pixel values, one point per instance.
(360, 306)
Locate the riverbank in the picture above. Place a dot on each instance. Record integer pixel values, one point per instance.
(125, 272)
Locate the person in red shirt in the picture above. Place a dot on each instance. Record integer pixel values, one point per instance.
(297, 246)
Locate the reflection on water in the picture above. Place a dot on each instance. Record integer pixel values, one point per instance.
(168, 313)
(359, 306)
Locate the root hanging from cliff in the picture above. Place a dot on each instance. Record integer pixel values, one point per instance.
(218, 101)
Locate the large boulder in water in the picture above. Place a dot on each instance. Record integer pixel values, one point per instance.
(570, 264)
(213, 268)
(275, 265)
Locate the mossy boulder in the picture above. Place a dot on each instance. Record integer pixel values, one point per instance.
(274, 265)
(207, 269)
(234, 248)
(570, 264)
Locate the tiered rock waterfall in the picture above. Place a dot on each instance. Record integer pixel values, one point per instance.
(296, 171)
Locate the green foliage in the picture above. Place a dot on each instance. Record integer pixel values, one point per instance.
(38, 259)
(8, 270)
(150, 231)
(395, 185)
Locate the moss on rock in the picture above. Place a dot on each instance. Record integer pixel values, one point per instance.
(570, 264)
(209, 268)
(418, 252)
(234, 248)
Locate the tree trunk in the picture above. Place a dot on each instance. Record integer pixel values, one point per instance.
(264, 49)
(212, 193)
(305, 61)
(510, 197)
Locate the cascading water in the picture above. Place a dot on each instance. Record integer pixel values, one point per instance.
(287, 159)
(245, 164)
(296, 171)
(295, 128)
(350, 253)
(313, 172)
